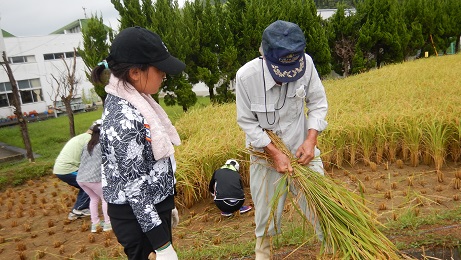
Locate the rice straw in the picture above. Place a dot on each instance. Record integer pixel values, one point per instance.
(349, 227)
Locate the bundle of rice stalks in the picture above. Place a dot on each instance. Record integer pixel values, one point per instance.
(350, 228)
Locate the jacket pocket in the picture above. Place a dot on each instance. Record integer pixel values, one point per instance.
(266, 114)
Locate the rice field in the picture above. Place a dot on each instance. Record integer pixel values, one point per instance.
(407, 112)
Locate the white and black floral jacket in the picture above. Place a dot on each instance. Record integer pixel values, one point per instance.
(130, 173)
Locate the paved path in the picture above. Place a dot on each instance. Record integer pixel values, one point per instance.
(10, 153)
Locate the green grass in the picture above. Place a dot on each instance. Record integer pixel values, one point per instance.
(49, 136)
(294, 234)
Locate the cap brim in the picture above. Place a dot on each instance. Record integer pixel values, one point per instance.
(170, 65)
(287, 73)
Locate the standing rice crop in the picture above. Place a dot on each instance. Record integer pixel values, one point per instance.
(412, 138)
(350, 228)
(455, 141)
(436, 141)
(206, 145)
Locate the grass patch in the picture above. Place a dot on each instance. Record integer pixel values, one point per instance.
(411, 225)
(411, 221)
(224, 242)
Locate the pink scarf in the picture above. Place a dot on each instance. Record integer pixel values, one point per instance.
(163, 133)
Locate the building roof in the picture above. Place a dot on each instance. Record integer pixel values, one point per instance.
(75, 26)
(7, 34)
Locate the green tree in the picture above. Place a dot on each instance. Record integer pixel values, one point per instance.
(210, 41)
(227, 57)
(452, 21)
(177, 89)
(134, 12)
(432, 26)
(382, 34)
(96, 38)
(412, 16)
(359, 63)
(243, 30)
(304, 13)
(342, 38)
(206, 39)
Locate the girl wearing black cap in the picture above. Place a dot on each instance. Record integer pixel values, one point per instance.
(137, 141)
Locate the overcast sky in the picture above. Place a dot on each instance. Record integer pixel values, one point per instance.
(41, 17)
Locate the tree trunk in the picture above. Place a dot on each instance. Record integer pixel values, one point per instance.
(378, 58)
(70, 115)
(457, 43)
(18, 112)
(345, 68)
(211, 91)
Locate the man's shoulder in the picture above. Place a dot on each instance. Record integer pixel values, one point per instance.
(250, 68)
(308, 57)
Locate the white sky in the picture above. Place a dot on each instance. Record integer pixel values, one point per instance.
(41, 17)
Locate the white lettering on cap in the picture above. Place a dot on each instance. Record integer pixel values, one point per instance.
(289, 73)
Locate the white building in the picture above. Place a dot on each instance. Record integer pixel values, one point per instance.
(33, 61)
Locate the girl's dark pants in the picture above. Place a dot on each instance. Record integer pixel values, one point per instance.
(137, 244)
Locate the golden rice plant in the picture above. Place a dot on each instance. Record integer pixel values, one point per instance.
(380, 141)
(205, 149)
(340, 147)
(352, 146)
(367, 142)
(384, 96)
(436, 141)
(328, 146)
(455, 141)
(412, 139)
(334, 147)
(392, 142)
(350, 229)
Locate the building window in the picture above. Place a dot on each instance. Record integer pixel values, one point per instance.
(60, 55)
(4, 100)
(5, 86)
(26, 97)
(30, 91)
(22, 59)
(71, 54)
(6, 94)
(48, 56)
(53, 56)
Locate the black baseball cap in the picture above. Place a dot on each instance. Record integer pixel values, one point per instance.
(138, 45)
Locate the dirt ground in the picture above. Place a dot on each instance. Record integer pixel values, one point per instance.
(34, 221)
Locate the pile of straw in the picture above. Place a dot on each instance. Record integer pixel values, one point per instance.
(350, 228)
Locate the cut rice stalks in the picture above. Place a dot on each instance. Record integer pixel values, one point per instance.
(350, 229)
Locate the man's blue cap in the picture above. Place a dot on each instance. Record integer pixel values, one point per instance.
(283, 46)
